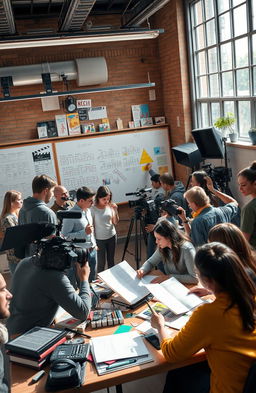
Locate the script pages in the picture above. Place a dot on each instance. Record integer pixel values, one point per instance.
(118, 351)
(123, 280)
(175, 296)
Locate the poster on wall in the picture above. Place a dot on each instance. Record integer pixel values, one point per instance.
(19, 165)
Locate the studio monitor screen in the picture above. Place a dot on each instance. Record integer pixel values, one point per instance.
(187, 154)
(209, 142)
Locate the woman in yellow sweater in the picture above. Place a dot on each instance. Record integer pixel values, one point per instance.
(225, 328)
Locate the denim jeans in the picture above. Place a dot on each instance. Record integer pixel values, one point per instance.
(106, 252)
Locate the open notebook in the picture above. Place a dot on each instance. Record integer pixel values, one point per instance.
(123, 280)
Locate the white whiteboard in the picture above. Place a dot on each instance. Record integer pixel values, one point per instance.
(19, 165)
(114, 160)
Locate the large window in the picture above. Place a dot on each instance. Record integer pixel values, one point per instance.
(223, 61)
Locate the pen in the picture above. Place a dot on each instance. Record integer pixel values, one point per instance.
(80, 334)
(121, 363)
(38, 376)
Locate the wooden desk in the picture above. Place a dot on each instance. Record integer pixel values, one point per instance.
(21, 375)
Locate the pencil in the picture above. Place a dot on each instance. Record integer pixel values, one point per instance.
(151, 309)
(76, 332)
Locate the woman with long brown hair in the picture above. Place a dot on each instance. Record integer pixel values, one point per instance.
(9, 218)
(176, 252)
(225, 328)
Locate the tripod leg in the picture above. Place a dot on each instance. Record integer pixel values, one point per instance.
(128, 237)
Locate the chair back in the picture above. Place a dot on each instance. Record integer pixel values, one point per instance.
(250, 383)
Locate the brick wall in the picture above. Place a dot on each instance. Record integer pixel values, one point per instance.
(128, 62)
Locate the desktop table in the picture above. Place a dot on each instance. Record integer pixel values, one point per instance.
(21, 375)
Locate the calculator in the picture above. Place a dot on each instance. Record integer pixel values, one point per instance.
(76, 352)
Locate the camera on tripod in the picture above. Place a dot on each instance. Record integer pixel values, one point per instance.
(170, 206)
(151, 207)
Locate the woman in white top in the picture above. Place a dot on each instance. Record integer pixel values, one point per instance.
(9, 218)
(105, 217)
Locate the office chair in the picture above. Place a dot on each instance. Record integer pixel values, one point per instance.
(250, 383)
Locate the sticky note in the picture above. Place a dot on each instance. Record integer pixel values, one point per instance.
(123, 329)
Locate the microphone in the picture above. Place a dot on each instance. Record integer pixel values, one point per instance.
(66, 199)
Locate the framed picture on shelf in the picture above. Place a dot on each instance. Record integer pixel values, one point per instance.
(146, 121)
(42, 130)
(159, 120)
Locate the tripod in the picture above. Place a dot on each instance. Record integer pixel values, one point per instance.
(138, 219)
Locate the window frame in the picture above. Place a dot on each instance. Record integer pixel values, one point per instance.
(193, 55)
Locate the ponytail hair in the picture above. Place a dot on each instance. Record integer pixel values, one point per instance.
(219, 263)
(249, 173)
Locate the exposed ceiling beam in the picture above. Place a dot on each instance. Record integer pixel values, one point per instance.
(74, 13)
(142, 11)
(7, 24)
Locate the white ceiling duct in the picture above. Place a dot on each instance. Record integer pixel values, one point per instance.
(86, 71)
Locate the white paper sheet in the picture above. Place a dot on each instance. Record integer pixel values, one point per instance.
(118, 346)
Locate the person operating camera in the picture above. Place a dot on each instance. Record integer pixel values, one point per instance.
(40, 285)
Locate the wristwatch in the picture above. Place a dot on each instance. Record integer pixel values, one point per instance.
(186, 221)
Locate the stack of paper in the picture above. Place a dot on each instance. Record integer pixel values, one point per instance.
(118, 351)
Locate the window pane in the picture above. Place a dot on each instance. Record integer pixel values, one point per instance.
(240, 20)
(200, 39)
(203, 86)
(204, 115)
(197, 13)
(224, 23)
(244, 113)
(227, 84)
(201, 65)
(242, 77)
(215, 111)
(212, 59)
(254, 81)
(214, 85)
(254, 49)
(211, 32)
(241, 47)
(254, 14)
(223, 5)
(229, 107)
(236, 2)
(226, 56)
(209, 10)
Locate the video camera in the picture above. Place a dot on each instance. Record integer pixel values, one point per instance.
(55, 253)
(219, 175)
(171, 207)
(152, 207)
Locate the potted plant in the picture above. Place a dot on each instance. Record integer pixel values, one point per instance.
(226, 125)
(252, 135)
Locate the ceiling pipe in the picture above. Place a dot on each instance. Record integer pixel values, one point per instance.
(86, 71)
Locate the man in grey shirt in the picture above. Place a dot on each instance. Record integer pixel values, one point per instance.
(38, 289)
(82, 228)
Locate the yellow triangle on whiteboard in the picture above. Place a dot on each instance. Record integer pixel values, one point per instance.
(145, 157)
